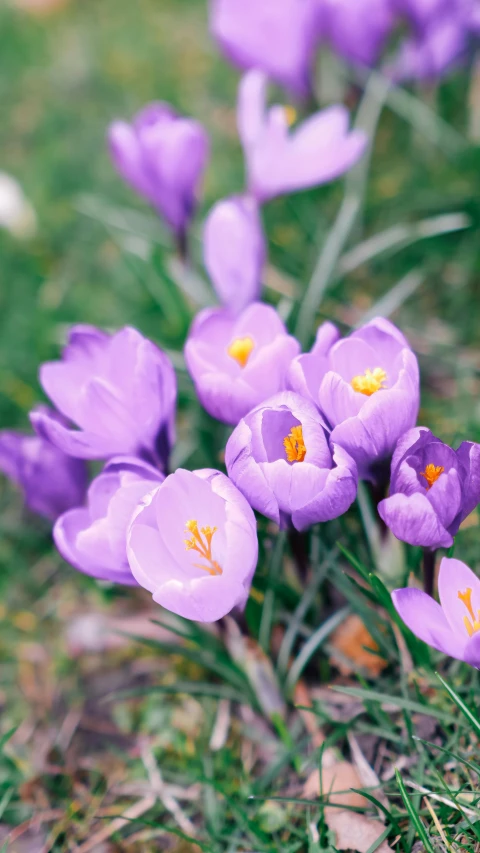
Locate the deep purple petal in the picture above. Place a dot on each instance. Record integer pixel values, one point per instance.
(412, 519)
(468, 455)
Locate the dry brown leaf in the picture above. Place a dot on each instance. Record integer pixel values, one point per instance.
(355, 831)
(337, 777)
(349, 646)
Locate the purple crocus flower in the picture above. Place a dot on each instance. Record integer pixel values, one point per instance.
(276, 36)
(234, 251)
(237, 363)
(430, 54)
(51, 482)
(356, 31)
(92, 538)
(162, 156)
(433, 488)
(367, 388)
(278, 161)
(452, 628)
(280, 458)
(193, 544)
(119, 389)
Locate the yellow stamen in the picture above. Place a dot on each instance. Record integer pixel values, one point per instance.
(240, 349)
(290, 114)
(431, 475)
(201, 542)
(294, 445)
(474, 625)
(369, 382)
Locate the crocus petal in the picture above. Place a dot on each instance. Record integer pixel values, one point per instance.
(373, 434)
(413, 519)
(455, 577)
(446, 498)
(468, 455)
(247, 474)
(51, 482)
(426, 620)
(306, 372)
(471, 654)
(65, 533)
(234, 251)
(201, 586)
(162, 156)
(336, 497)
(82, 445)
(275, 37)
(252, 99)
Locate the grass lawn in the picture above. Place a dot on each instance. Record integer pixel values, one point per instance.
(119, 733)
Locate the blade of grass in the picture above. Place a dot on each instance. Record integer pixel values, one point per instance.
(413, 815)
(396, 702)
(460, 705)
(312, 645)
(368, 115)
(400, 237)
(298, 616)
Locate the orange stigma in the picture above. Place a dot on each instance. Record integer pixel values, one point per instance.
(474, 625)
(240, 349)
(294, 445)
(201, 542)
(369, 382)
(431, 475)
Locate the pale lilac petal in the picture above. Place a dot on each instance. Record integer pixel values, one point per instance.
(277, 38)
(66, 533)
(234, 251)
(175, 574)
(82, 445)
(471, 654)
(336, 497)
(455, 577)
(251, 106)
(426, 620)
(247, 475)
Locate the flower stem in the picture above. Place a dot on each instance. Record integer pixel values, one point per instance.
(299, 549)
(182, 246)
(428, 570)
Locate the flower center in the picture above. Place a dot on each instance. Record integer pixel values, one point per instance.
(240, 350)
(370, 381)
(431, 475)
(201, 542)
(474, 625)
(294, 445)
(290, 114)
